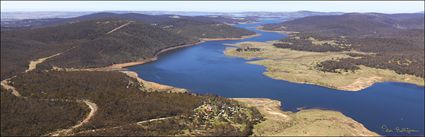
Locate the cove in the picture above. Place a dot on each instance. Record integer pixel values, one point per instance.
(205, 69)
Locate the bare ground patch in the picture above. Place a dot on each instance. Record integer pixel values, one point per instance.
(303, 123)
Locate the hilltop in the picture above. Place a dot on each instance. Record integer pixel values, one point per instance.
(392, 41)
(56, 80)
(93, 40)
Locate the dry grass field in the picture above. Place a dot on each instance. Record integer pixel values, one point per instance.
(299, 66)
(303, 123)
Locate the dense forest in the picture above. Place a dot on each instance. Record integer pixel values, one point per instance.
(122, 102)
(103, 39)
(157, 19)
(395, 41)
(23, 117)
(53, 100)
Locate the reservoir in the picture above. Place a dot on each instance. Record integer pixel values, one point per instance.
(204, 68)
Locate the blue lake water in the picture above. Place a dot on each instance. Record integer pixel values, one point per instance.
(205, 69)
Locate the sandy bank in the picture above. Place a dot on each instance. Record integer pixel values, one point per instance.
(152, 86)
(155, 57)
(309, 122)
(243, 37)
(147, 84)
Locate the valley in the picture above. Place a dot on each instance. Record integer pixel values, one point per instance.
(130, 74)
(41, 82)
(206, 69)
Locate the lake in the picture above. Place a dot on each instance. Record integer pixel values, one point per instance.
(205, 69)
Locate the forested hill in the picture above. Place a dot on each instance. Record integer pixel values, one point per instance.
(397, 39)
(352, 24)
(191, 26)
(103, 39)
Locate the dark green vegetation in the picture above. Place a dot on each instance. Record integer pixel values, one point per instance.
(44, 22)
(247, 49)
(100, 40)
(23, 117)
(304, 41)
(335, 65)
(133, 42)
(123, 102)
(119, 97)
(353, 24)
(189, 26)
(90, 45)
(216, 117)
(396, 39)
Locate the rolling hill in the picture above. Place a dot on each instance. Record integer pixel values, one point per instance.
(103, 39)
(396, 40)
(352, 24)
(108, 102)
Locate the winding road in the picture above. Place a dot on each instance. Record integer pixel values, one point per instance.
(116, 127)
(91, 105)
(6, 84)
(93, 109)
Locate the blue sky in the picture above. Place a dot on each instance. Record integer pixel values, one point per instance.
(216, 6)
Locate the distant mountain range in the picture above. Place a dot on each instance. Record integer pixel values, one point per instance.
(289, 15)
(8, 16)
(34, 23)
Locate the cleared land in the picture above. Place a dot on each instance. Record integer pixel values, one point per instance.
(303, 123)
(300, 66)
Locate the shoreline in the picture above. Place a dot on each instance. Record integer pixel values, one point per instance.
(156, 55)
(242, 37)
(279, 122)
(351, 82)
(358, 85)
(360, 129)
(153, 85)
(276, 31)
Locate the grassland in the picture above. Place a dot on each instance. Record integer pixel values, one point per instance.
(299, 66)
(303, 123)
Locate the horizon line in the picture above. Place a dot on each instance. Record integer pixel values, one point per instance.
(207, 11)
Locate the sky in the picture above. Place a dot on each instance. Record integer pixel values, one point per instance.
(216, 6)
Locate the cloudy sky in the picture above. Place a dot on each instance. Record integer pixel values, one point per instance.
(215, 6)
